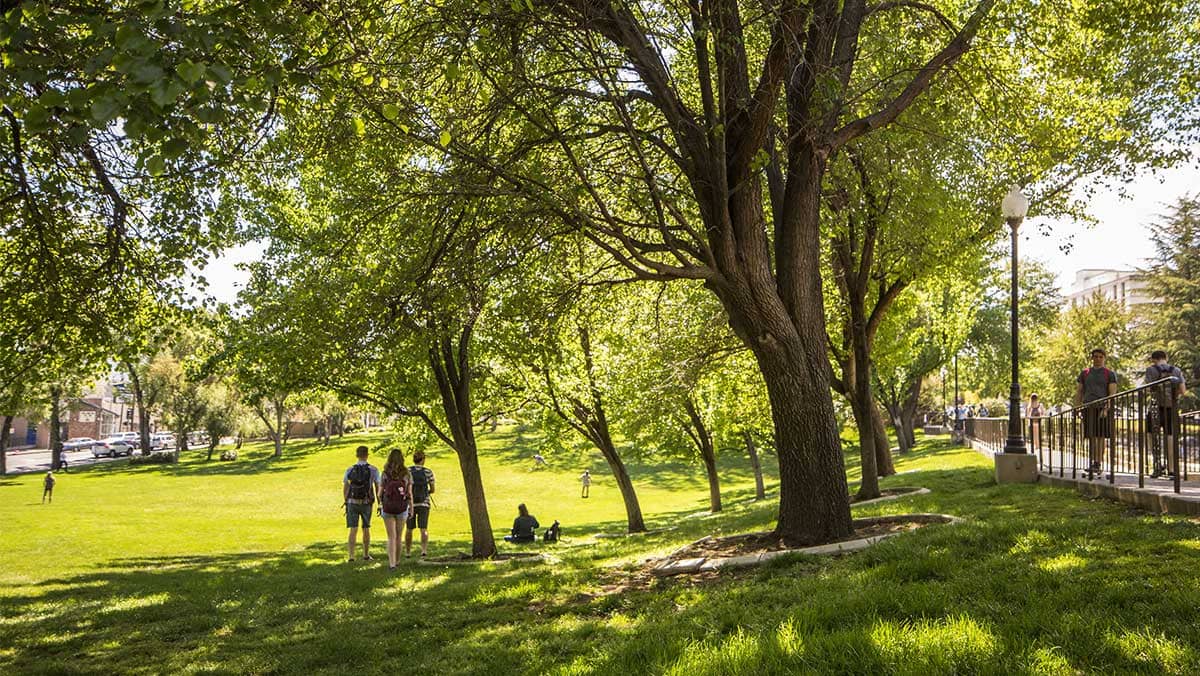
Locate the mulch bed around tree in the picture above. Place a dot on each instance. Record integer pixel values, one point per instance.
(758, 543)
(889, 493)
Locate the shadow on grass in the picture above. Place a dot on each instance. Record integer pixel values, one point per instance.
(1037, 580)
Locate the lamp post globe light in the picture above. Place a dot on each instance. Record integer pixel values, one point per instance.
(1014, 206)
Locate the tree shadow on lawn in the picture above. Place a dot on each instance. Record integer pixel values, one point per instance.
(1008, 594)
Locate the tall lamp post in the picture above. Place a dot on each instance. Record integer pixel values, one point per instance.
(1014, 207)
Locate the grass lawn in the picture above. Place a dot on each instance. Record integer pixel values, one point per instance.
(239, 568)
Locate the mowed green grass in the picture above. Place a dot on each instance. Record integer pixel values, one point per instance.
(239, 568)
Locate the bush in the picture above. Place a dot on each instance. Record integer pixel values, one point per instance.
(231, 454)
(157, 457)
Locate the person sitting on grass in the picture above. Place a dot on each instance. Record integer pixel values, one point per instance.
(523, 526)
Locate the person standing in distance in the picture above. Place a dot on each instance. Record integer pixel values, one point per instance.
(422, 488)
(1166, 398)
(1096, 382)
(48, 488)
(586, 480)
(360, 489)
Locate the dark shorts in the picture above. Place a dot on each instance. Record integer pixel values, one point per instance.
(1095, 423)
(356, 511)
(419, 517)
(1163, 419)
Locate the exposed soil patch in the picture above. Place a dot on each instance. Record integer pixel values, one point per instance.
(890, 493)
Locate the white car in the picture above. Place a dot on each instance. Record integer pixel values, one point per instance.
(112, 447)
(78, 443)
(162, 440)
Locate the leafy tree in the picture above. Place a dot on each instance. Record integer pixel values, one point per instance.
(987, 358)
(116, 121)
(1174, 277)
(693, 141)
(1063, 353)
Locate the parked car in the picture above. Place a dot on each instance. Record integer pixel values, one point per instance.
(162, 440)
(78, 443)
(112, 447)
(134, 439)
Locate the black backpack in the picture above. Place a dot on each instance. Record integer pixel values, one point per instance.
(551, 534)
(1164, 394)
(420, 488)
(360, 482)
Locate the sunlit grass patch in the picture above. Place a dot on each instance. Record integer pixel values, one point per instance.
(956, 644)
(1148, 648)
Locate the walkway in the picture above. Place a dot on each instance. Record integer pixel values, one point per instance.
(1158, 495)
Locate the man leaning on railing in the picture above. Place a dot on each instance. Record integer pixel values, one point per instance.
(1162, 415)
(1095, 382)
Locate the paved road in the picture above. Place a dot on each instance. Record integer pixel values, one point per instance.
(38, 460)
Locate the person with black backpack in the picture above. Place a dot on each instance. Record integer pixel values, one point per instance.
(396, 502)
(1163, 413)
(422, 489)
(360, 488)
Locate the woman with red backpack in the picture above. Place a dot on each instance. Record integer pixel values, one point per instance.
(396, 502)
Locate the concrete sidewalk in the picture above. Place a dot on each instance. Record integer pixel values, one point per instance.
(1158, 495)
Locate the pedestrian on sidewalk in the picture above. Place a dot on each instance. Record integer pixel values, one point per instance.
(1036, 413)
(1095, 383)
(1164, 410)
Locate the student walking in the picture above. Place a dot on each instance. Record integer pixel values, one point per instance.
(422, 489)
(1163, 413)
(360, 488)
(1095, 383)
(586, 480)
(523, 526)
(396, 502)
(48, 488)
(1036, 413)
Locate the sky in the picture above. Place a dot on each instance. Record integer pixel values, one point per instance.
(1120, 239)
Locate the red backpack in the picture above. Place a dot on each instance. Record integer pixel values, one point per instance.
(395, 496)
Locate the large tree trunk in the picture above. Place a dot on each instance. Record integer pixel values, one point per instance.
(452, 370)
(760, 492)
(143, 415)
(814, 506)
(703, 440)
(592, 422)
(56, 449)
(864, 415)
(895, 416)
(4, 439)
(633, 509)
(278, 436)
(884, 463)
(908, 412)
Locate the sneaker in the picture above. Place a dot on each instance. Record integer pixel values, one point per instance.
(422, 555)
(368, 558)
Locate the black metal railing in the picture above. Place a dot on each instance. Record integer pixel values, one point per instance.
(1126, 434)
(991, 433)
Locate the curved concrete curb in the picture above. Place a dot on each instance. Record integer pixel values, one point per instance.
(705, 564)
(915, 491)
(530, 558)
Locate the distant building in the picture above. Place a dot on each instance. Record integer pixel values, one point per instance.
(1124, 286)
